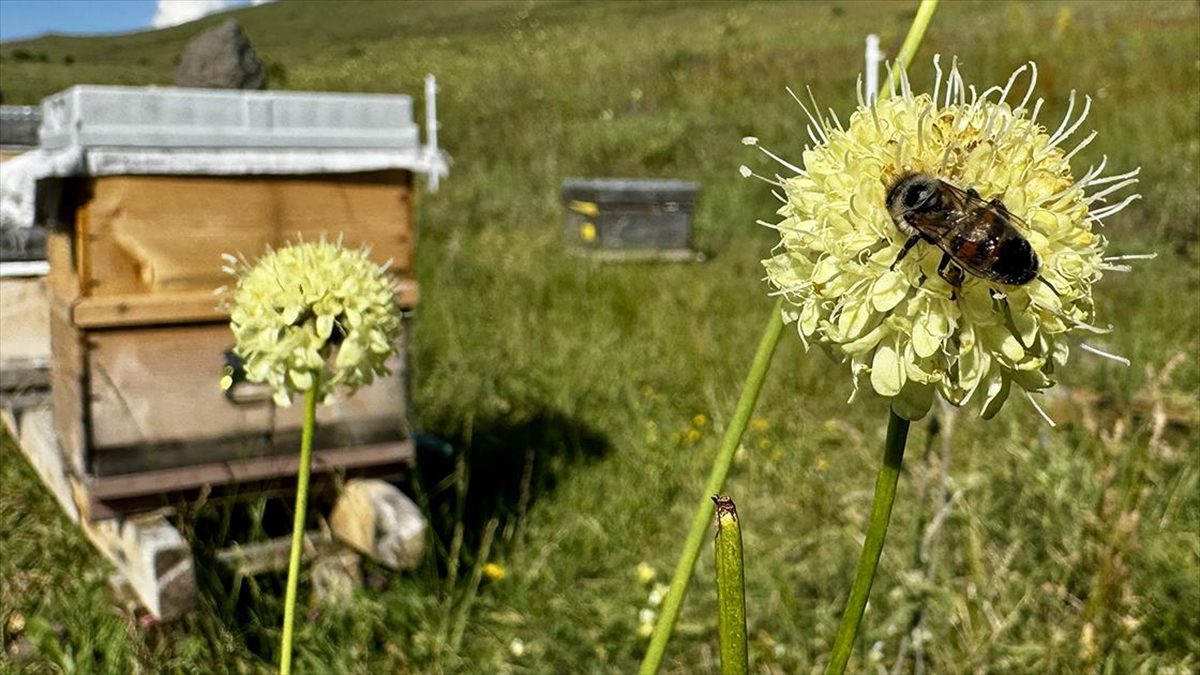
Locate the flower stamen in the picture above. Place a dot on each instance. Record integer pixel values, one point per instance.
(1101, 353)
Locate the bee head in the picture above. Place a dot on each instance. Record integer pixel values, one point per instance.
(913, 193)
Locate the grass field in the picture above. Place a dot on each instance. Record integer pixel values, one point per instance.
(1014, 547)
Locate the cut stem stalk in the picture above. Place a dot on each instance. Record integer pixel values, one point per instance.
(731, 590)
(716, 481)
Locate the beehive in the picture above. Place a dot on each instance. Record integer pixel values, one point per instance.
(139, 342)
(630, 217)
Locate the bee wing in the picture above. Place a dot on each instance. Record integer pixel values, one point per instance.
(970, 203)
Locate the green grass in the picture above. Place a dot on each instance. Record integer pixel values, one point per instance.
(1073, 549)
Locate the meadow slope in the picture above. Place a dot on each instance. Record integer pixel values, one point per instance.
(1059, 550)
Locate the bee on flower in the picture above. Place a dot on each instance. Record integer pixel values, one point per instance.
(940, 242)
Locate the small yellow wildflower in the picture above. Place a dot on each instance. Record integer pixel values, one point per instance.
(646, 573)
(645, 630)
(691, 436)
(699, 420)
(759, 424)
(494, 571)
(764, 443)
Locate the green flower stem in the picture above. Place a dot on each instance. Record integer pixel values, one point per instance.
(302, 479)
(731, 590)
(716, 481)
(893, 454)
(916, 33)
(881, 514)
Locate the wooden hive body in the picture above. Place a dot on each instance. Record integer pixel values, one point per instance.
(630, 217)
(139, 343)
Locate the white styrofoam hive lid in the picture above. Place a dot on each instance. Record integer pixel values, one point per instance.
(172, 117)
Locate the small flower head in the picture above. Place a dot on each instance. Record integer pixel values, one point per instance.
(658, 594)
(645, 572)
(911, 328)
(313, 312)
(494, 571)
(517, 647)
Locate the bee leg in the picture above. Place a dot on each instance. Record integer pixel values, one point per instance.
(953, 275)
(912, 241)
(999, 206)
(973, 194)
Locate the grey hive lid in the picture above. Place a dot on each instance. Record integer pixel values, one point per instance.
(92, 116)
(19, 125)
(630, 190)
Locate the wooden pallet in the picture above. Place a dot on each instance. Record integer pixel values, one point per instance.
(154, 563)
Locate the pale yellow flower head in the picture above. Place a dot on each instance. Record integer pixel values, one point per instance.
(907, 329)
(313, 312)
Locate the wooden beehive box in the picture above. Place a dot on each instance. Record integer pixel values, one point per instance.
(139, 343)
(624, 218)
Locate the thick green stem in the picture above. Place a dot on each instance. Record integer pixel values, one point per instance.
(731, 590)
(881, 514)
(302, 479)
(916, 33)
(716, 481)
(897, 434)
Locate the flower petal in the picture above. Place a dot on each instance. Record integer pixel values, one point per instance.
(887, 373)
(913, 401)
(888, 290)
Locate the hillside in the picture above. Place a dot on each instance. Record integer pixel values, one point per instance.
(1068, 549)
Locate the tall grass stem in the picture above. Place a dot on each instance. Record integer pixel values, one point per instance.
(302, 480)
(731, 590)
(881, 515)
(716, 481)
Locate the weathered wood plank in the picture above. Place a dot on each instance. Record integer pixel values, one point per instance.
(68, 387)
(147, 551)
(155, 403)
(334, 570)
(177, 307)
(24, 324)
(62, 281)
(144, 234)
(244, 471)
(272, 555)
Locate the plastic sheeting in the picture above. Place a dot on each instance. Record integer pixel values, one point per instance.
(25, 198)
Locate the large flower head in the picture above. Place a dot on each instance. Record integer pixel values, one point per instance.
(313, 313)
(911, 328)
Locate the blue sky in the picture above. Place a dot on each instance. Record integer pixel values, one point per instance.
(29, 18)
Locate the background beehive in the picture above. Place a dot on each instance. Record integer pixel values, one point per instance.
(139, 339)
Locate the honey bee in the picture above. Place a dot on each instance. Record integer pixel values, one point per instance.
(978, 236)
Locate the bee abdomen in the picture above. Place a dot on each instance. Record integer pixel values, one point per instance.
(1015, 262)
